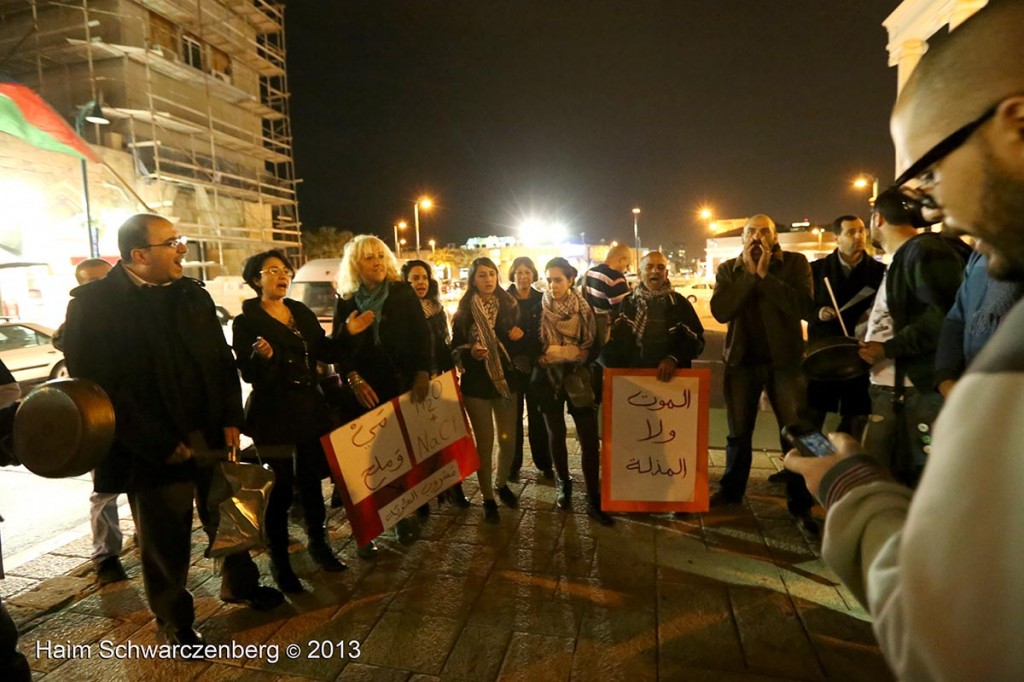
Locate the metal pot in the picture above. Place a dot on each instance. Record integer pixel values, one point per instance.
(64, 428)
(835, 358)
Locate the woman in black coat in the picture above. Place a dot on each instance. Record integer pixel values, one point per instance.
(419, 276)
(523, 274)
(383, 335)
(278, 342)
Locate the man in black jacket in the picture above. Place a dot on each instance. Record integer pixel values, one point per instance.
(762, 295)
(855, 277)
(903, 334)
(656, 327)
(150, 337)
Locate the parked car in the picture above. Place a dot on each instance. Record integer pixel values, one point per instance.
(27, 350)
(696, 291)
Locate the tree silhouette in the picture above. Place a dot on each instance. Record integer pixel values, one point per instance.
(325, 242)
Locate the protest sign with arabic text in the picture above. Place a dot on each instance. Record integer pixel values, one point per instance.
(655, 442)
(401, 455)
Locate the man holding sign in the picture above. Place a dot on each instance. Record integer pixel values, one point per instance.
(656, 327)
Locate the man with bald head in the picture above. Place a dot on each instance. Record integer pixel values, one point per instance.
(942, 570)
(762, 295)
(656, 327)
(150, 337)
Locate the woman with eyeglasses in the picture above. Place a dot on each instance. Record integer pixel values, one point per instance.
(384, 337)
(567, 332)
(523, 274)
(278, 342)
(485, 325)
(419, 276)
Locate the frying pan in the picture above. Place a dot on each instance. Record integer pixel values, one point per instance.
(63, 428)
(833, 359)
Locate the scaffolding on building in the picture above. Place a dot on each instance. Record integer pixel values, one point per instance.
(197, 95)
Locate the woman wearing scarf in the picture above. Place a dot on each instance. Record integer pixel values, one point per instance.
(523, 274)
(419, 276)
(567, 333)
(389, 356)
(484, 326)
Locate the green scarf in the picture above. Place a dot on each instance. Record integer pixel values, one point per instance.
(373, 300)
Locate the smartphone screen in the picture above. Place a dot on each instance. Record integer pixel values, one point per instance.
(815, 444)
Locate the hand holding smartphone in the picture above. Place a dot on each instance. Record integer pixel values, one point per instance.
(808, 441)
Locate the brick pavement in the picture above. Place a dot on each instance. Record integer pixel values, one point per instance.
(546, 595)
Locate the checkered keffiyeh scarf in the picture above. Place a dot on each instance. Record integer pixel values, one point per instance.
(430, 307)
(485, 317)
(642, 297)
(566, 321)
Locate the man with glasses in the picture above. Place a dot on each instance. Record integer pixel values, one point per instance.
(942, 569)
(903, 333)
(762, 295)
(150, 337)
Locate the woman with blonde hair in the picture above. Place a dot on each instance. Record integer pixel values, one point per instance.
(484, 327)
(384, 337)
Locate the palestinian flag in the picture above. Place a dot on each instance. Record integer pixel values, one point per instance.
(27, 116)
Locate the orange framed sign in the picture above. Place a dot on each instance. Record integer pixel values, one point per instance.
(654, 450)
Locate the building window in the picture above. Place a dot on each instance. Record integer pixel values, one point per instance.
(192, 51)
(220, 64)
(163, 35)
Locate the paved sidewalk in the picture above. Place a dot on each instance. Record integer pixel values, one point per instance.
(545, 595)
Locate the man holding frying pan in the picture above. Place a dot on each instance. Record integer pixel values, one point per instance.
(853, 277)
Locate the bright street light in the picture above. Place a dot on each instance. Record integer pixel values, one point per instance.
(864, 181)
(398, 249)
(636, 240)
(705, 213)
(425, 203)
(90, 112)
(433, 245)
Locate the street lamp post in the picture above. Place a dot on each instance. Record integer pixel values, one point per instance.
(426, 203)
(433, 247)
(92, 113)
(636, 240)
(862, 182)
(398, 248)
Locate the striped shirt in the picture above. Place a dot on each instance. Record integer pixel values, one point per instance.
(604, 288)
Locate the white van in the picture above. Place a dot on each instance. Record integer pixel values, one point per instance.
(315, 285)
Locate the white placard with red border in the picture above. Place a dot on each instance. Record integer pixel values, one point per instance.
(400, 455)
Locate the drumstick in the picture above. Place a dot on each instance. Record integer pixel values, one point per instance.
(828, 285)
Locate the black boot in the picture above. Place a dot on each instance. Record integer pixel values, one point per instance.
(407, 530)
(323, 554)
(594, 511)
(457, 497)
(564, 487)
(284, 576)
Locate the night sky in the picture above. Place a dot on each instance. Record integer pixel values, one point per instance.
(578, 110)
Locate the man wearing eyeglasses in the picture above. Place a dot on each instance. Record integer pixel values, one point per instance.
(150, 337)
(942, 570)
(762, 295)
